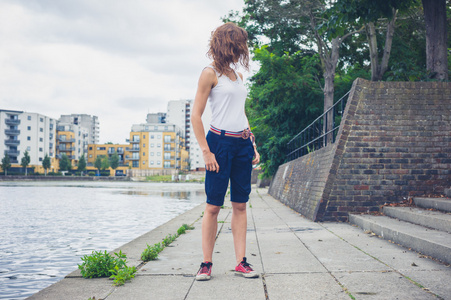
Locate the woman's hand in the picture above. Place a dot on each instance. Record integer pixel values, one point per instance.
(256, 159)
(210, 162)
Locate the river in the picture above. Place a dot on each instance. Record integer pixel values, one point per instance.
(46, 227)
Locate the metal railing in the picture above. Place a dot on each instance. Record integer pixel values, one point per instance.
(319, 133)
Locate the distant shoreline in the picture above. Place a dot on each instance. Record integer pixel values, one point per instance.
(62, 178)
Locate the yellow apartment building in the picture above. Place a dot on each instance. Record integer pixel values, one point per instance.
(95, 150)
(65, 144)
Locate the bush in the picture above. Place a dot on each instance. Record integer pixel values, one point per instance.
(91, 173)
(151, 253)
(101, 264)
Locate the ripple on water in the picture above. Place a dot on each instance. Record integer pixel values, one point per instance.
(48, 226)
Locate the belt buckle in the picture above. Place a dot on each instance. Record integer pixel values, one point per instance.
(245, 134)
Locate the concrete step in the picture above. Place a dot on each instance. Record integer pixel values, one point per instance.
(442, 204)
(431, 219)
(434, 243)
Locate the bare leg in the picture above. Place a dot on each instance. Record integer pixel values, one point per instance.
(239, 229)
(209, 229)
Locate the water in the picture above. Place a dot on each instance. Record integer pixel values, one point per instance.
(46, 227)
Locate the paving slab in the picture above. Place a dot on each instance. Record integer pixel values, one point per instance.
(381, 285)
(159, 287)
(76, 289)
(304, 286)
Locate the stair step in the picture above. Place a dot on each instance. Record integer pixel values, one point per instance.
(448, 193)
(431, 219)
(442, 204)
(426, 241)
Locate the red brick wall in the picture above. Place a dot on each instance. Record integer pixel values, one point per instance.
(394, 142)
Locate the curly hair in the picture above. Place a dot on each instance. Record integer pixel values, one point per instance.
(228, 46)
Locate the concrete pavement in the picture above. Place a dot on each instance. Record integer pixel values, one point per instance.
(296, 259)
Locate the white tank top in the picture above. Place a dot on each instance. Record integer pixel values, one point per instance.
(227, 101)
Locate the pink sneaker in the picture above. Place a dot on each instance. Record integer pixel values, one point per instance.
(245, 269)
(204, 271)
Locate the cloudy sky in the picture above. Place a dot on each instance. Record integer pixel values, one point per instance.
(115, 59)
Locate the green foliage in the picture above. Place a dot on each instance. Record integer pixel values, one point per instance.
(168, 240)
(65, 163)
(122, 275)
(6, 163)
(98, 162)
(114, 161)
(159, 178)
(285, 96)
(81, 164)
(25, 161)
(101, 264)
(46, 163)
(151, 252)
(105, 163)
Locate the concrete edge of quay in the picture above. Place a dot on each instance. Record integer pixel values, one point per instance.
(73, 283)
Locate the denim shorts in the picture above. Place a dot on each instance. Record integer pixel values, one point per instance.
(234, 157)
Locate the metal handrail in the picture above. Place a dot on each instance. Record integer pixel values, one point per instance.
(317, 134)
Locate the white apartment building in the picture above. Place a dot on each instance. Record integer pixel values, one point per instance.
(179, 113)
(72, 140)
(23, 131)
(90, 123)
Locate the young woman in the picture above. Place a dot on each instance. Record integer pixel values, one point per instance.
(228, 149)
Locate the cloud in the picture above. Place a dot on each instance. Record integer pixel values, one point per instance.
(115, 59)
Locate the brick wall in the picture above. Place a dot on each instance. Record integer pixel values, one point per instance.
(394, 142)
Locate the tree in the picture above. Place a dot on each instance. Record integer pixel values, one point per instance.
(436, 38)
(25, 161)
(65, 163)
(46, 163)
(98, 162)
(6, 163)
(81, 164)
(105, 163)
(114, 161)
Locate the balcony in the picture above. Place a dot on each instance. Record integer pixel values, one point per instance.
(66, 149)
(12, 142)
(120, 151)
(133, 149)
(13, 122)
(12, 131)
(135, 141)
(169, 158)
(59, 156)
(128, 157)
(14, 153)
(64, 140)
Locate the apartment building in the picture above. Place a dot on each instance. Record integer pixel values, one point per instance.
(88, 122)
(72, 140)
(23, 131)
(157, 146)
(108, 150)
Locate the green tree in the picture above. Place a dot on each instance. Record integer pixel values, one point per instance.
(25, 161)
(65, 163)
(284, 98)
(81, 164)
(6, 163)
(46, 163)
(114, 161)
(105, 164)
(98, 162)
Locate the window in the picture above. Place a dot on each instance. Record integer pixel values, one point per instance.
(41, 129)
(135, 164)
(151, 153)
(90, 148)
(101, 148)
(136, 138)
(144, 153)
(159, 136)
(151, 162)
(41, 150)
(158, 162)
(40, 158)
(41, 139)
(167, 138)
(28, 148)
(29, 118)
(28, 138)
(152, 136)
(167, 155)
(144, 145)
(158, 145)
(90, 155)
(152, 145)
(158, 153)
(28, 127)
(41, 119)
(144, 136)
(167, 164)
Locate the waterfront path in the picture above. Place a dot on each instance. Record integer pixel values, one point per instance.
(296, 259)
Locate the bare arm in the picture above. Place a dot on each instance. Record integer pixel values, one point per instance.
(206, 82)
